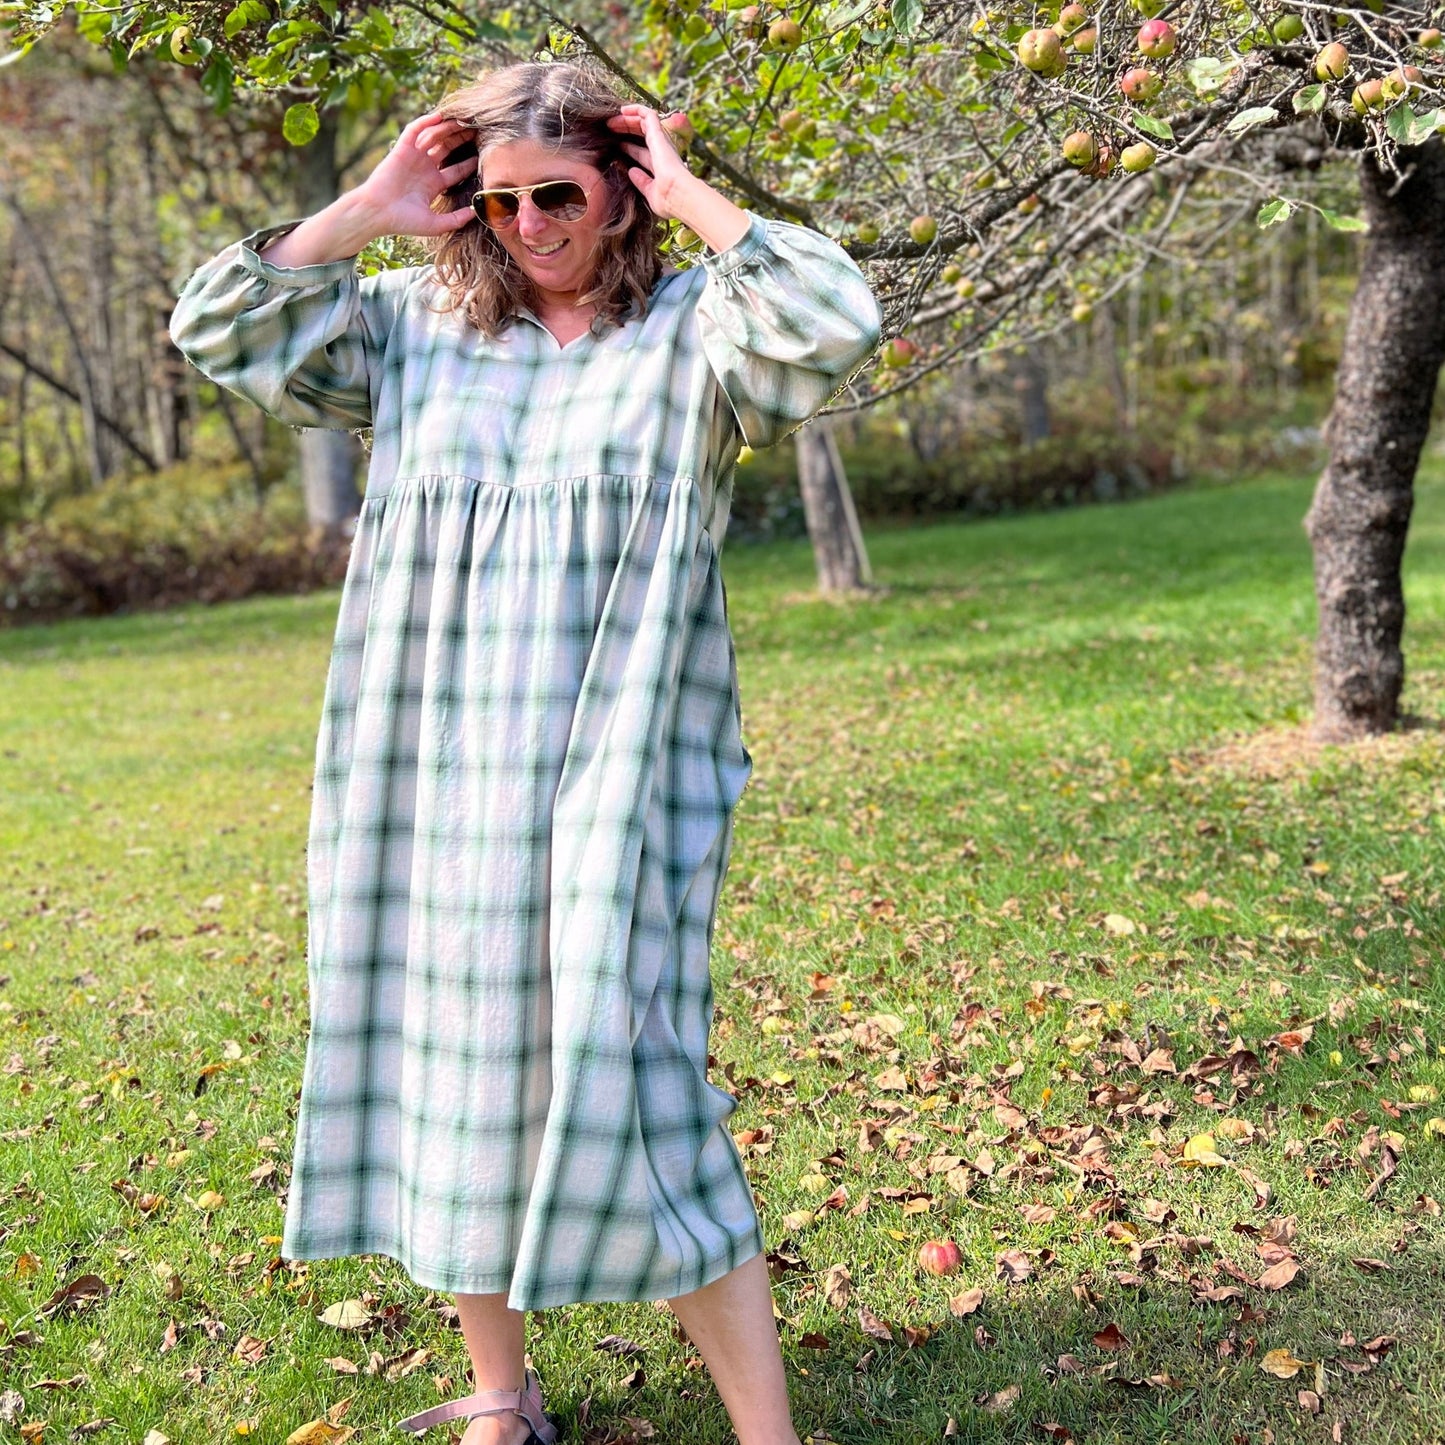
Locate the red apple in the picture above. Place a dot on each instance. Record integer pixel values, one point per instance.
(940, 1256)
(785, 34)
(1140, 85)
(1332, 62)
(1369, 95)
(1042, 52)
(899, 351)
(1403, 80)
(1071, 17)
(1157, 39)
(1079, 149)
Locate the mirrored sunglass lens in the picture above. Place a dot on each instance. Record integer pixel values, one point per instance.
(501, 208)
(564, 201)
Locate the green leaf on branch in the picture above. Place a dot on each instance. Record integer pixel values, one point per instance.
(1151, 125)
(246, 13)
(1273, 212)
(847, 14)
(907, 15)
(300, 123)
(1343, 223)
(1248, 119)
(218, 82)
(1408, 129)
(1206, 74)
(1309, 100)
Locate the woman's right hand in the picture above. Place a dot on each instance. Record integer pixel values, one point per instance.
(397, 195)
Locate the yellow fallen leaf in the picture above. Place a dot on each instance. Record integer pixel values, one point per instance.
(1423, 1093)
(1200, 1150)
(320, 1432)
(1436, 1127)
(209, 1199)
(1282, 1365)
(798, 1220)
(1118, 925)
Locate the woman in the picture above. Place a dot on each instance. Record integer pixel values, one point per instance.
(530, 747)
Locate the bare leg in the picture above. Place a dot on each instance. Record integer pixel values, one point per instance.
(494, 1336)
(731, 1323)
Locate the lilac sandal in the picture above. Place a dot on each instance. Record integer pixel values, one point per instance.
(526, 1402)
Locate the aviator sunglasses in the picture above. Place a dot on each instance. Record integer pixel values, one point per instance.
(557, 200)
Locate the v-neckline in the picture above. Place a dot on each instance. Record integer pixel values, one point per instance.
(561, 345)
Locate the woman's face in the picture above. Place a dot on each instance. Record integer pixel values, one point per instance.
(557, 256)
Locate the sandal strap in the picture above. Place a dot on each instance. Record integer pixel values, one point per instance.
(526, 1402)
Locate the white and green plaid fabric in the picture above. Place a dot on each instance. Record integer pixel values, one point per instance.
(529, 756)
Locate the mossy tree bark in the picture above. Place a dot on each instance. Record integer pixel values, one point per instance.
(1389, 367)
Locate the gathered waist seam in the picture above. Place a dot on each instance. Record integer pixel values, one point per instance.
(572, 479)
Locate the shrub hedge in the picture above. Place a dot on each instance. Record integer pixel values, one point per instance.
(191, 532)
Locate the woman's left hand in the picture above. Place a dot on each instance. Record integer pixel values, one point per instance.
(660, 173)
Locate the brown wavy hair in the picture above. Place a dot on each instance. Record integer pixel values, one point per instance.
(566, 106)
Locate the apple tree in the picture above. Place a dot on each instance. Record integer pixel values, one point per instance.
(1001, 169)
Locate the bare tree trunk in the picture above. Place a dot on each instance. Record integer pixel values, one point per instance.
(329, 459)
(833, 527)
(1394, 347)
(1031, 384)
(100, 277)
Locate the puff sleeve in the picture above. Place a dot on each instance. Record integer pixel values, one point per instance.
(304, 343)
(786, 318)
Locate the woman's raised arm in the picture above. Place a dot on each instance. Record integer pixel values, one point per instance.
(281, 317)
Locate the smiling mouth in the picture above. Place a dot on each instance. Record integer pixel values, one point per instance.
(544, 252)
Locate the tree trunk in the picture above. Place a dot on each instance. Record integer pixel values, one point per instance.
(1031, 385)
(833, 527)
(329, 459)
(1393, 350)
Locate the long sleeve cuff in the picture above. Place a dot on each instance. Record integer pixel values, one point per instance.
(319, 272)
(724, 263)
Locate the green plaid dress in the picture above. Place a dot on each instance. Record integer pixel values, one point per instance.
(529, 756)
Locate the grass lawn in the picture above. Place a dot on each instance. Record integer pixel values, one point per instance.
(1013, 917)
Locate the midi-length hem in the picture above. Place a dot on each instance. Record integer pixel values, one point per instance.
(529, 757)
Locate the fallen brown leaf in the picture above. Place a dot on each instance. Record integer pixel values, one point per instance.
(1013, 1266)
(838, 1286)
(1277, 1276)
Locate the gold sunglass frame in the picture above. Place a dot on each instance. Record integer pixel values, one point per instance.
(479, 201)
